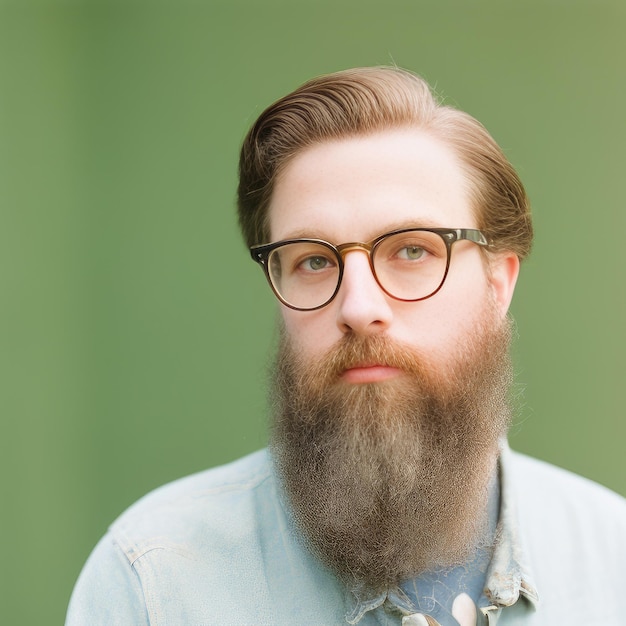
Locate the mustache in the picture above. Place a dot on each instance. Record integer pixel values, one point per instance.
(358, 351)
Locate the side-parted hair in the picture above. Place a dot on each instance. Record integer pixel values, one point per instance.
(363, 101)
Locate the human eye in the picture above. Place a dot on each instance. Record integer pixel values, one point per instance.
(315, 263)
(415, 246)
(410, 249)
(308, 259)
(411, 252)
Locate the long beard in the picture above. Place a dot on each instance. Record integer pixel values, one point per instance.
(390, 479)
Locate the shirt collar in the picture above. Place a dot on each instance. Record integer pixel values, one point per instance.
(509, 574)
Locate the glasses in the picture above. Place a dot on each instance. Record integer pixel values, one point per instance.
(409, 264)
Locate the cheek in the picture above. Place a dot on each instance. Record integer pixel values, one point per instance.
(311, 332)
(439, 323)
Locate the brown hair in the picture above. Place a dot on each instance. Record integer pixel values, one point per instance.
(367, 100)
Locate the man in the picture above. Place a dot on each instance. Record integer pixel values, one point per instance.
(391, 230)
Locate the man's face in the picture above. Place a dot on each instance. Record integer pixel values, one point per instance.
(355, 189)
(388, 414)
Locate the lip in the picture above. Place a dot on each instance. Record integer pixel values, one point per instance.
(375, 373)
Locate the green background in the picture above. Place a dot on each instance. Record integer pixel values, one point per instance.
(135, 331)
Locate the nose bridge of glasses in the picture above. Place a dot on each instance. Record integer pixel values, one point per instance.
(354, 246)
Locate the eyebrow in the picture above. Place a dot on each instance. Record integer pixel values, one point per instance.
(318, 234)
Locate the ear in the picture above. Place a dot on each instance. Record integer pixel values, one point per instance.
(503, 272)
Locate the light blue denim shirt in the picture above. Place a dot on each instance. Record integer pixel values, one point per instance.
(219, 548)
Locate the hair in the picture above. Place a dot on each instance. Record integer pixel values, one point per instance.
(364, 101)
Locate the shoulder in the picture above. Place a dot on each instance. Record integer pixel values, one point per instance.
(571, 538)
(553, 489)
(189, 505)
(150, 562)
(573, 532)
(240, 476)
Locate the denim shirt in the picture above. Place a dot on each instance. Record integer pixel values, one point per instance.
(218, 547)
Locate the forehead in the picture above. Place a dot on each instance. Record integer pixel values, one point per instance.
(356, 188)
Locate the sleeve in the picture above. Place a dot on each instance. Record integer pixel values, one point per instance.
(108, 591)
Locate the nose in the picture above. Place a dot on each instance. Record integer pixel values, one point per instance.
(363, 307)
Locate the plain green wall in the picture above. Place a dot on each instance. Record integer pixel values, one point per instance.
(135, 331)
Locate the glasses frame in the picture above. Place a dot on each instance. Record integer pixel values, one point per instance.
(261, 253)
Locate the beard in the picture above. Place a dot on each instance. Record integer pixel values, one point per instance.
(388, 480)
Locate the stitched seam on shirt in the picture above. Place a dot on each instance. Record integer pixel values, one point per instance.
(251, 483)
(151, 599)
(140, 582)
(134, 552)
(134, 555)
